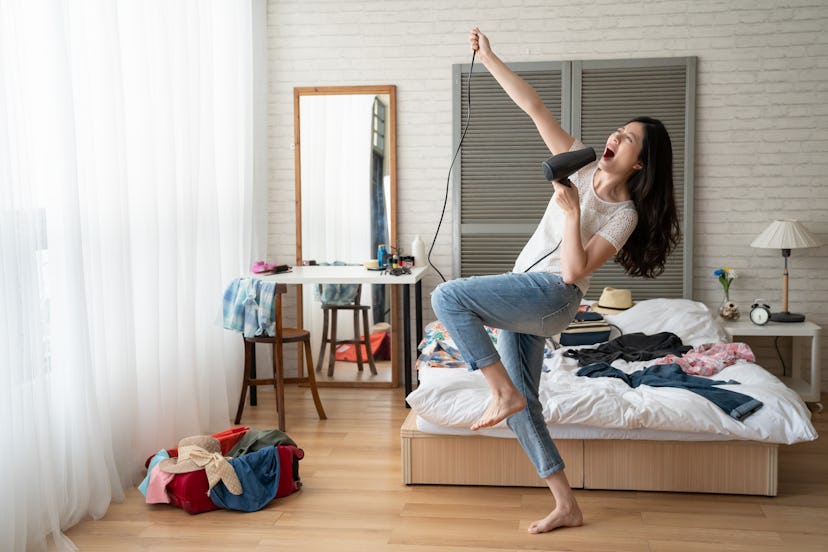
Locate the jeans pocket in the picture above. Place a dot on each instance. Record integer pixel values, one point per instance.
(555, 322)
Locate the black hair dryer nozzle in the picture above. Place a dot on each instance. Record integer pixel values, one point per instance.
(559, 167)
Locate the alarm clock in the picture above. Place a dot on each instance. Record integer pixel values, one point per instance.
(760, 314)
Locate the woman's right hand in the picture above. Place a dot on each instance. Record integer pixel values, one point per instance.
(522, 93)
(479, 43)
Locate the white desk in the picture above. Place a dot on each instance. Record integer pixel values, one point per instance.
(360, 275)
(809, 391)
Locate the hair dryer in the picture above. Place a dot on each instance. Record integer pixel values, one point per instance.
(559, 167)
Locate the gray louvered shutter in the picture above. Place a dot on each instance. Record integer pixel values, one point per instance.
(500, 188)
(607, 94)
(500, 192)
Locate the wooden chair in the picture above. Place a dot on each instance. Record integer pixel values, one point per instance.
(330, 313)
(283, 335)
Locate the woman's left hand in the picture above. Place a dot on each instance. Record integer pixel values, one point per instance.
(567, 198)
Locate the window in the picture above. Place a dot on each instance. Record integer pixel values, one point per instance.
(500, 193)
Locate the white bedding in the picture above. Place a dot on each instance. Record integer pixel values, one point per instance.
(574, 431)
(455, 398)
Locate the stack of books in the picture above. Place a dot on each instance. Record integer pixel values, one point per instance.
(588, 328)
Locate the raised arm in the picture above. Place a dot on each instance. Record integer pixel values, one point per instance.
(522, 93)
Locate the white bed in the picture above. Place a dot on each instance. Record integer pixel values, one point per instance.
(610, 434)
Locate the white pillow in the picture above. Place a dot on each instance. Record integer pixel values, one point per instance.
(689, 320)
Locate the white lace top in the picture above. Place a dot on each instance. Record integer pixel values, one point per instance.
(613, 221)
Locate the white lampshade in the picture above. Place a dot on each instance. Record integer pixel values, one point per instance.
(785, 234)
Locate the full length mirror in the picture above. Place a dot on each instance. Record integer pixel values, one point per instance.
(345, 208)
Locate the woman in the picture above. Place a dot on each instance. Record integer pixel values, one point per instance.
(621, 206)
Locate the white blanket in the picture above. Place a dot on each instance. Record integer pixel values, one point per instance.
(456, 397)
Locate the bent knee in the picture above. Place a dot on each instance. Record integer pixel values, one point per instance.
(441, 297)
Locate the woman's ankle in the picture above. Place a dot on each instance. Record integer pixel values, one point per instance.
(500, 384)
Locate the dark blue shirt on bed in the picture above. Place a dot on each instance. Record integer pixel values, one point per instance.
(736, 405)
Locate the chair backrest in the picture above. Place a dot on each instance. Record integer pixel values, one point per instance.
(339, 294)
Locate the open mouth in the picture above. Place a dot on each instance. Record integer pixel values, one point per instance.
(608, 154)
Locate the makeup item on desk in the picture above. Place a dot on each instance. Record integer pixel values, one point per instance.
(261, 267)
(382, 253)
(418, 251)
(398, 271)
(407, 261)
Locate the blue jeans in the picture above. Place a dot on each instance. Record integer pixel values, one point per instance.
(736, 405)
(526, 308)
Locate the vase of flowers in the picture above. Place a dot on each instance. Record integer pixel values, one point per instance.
(727, 309)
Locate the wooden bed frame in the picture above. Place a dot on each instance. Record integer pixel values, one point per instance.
(727, 467)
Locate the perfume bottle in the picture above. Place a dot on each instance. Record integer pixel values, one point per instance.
(382, 253)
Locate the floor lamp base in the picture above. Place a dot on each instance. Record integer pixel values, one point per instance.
(787, 317)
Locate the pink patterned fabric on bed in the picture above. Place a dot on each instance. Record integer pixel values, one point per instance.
(710, 358)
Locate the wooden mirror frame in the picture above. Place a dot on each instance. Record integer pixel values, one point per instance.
(391, 136)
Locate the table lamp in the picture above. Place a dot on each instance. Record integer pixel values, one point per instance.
(785, 235)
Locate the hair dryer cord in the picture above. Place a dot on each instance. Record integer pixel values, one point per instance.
(453, 159)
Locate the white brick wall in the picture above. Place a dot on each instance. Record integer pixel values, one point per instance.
(762, 110)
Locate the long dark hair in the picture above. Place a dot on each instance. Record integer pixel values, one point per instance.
(657, 232)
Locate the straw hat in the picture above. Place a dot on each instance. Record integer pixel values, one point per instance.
(613, 301)
(203, 452)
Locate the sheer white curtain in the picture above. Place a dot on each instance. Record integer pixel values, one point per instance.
(126, 196)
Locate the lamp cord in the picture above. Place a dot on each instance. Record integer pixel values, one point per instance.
(779, 354)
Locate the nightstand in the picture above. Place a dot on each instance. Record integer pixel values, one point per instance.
(799, 331)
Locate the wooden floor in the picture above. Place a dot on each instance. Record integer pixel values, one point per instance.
(353, 499)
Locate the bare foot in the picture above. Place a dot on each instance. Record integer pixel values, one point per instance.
(499, 409)
(559, 517)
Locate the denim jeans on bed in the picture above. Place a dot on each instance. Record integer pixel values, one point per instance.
(527, 308)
